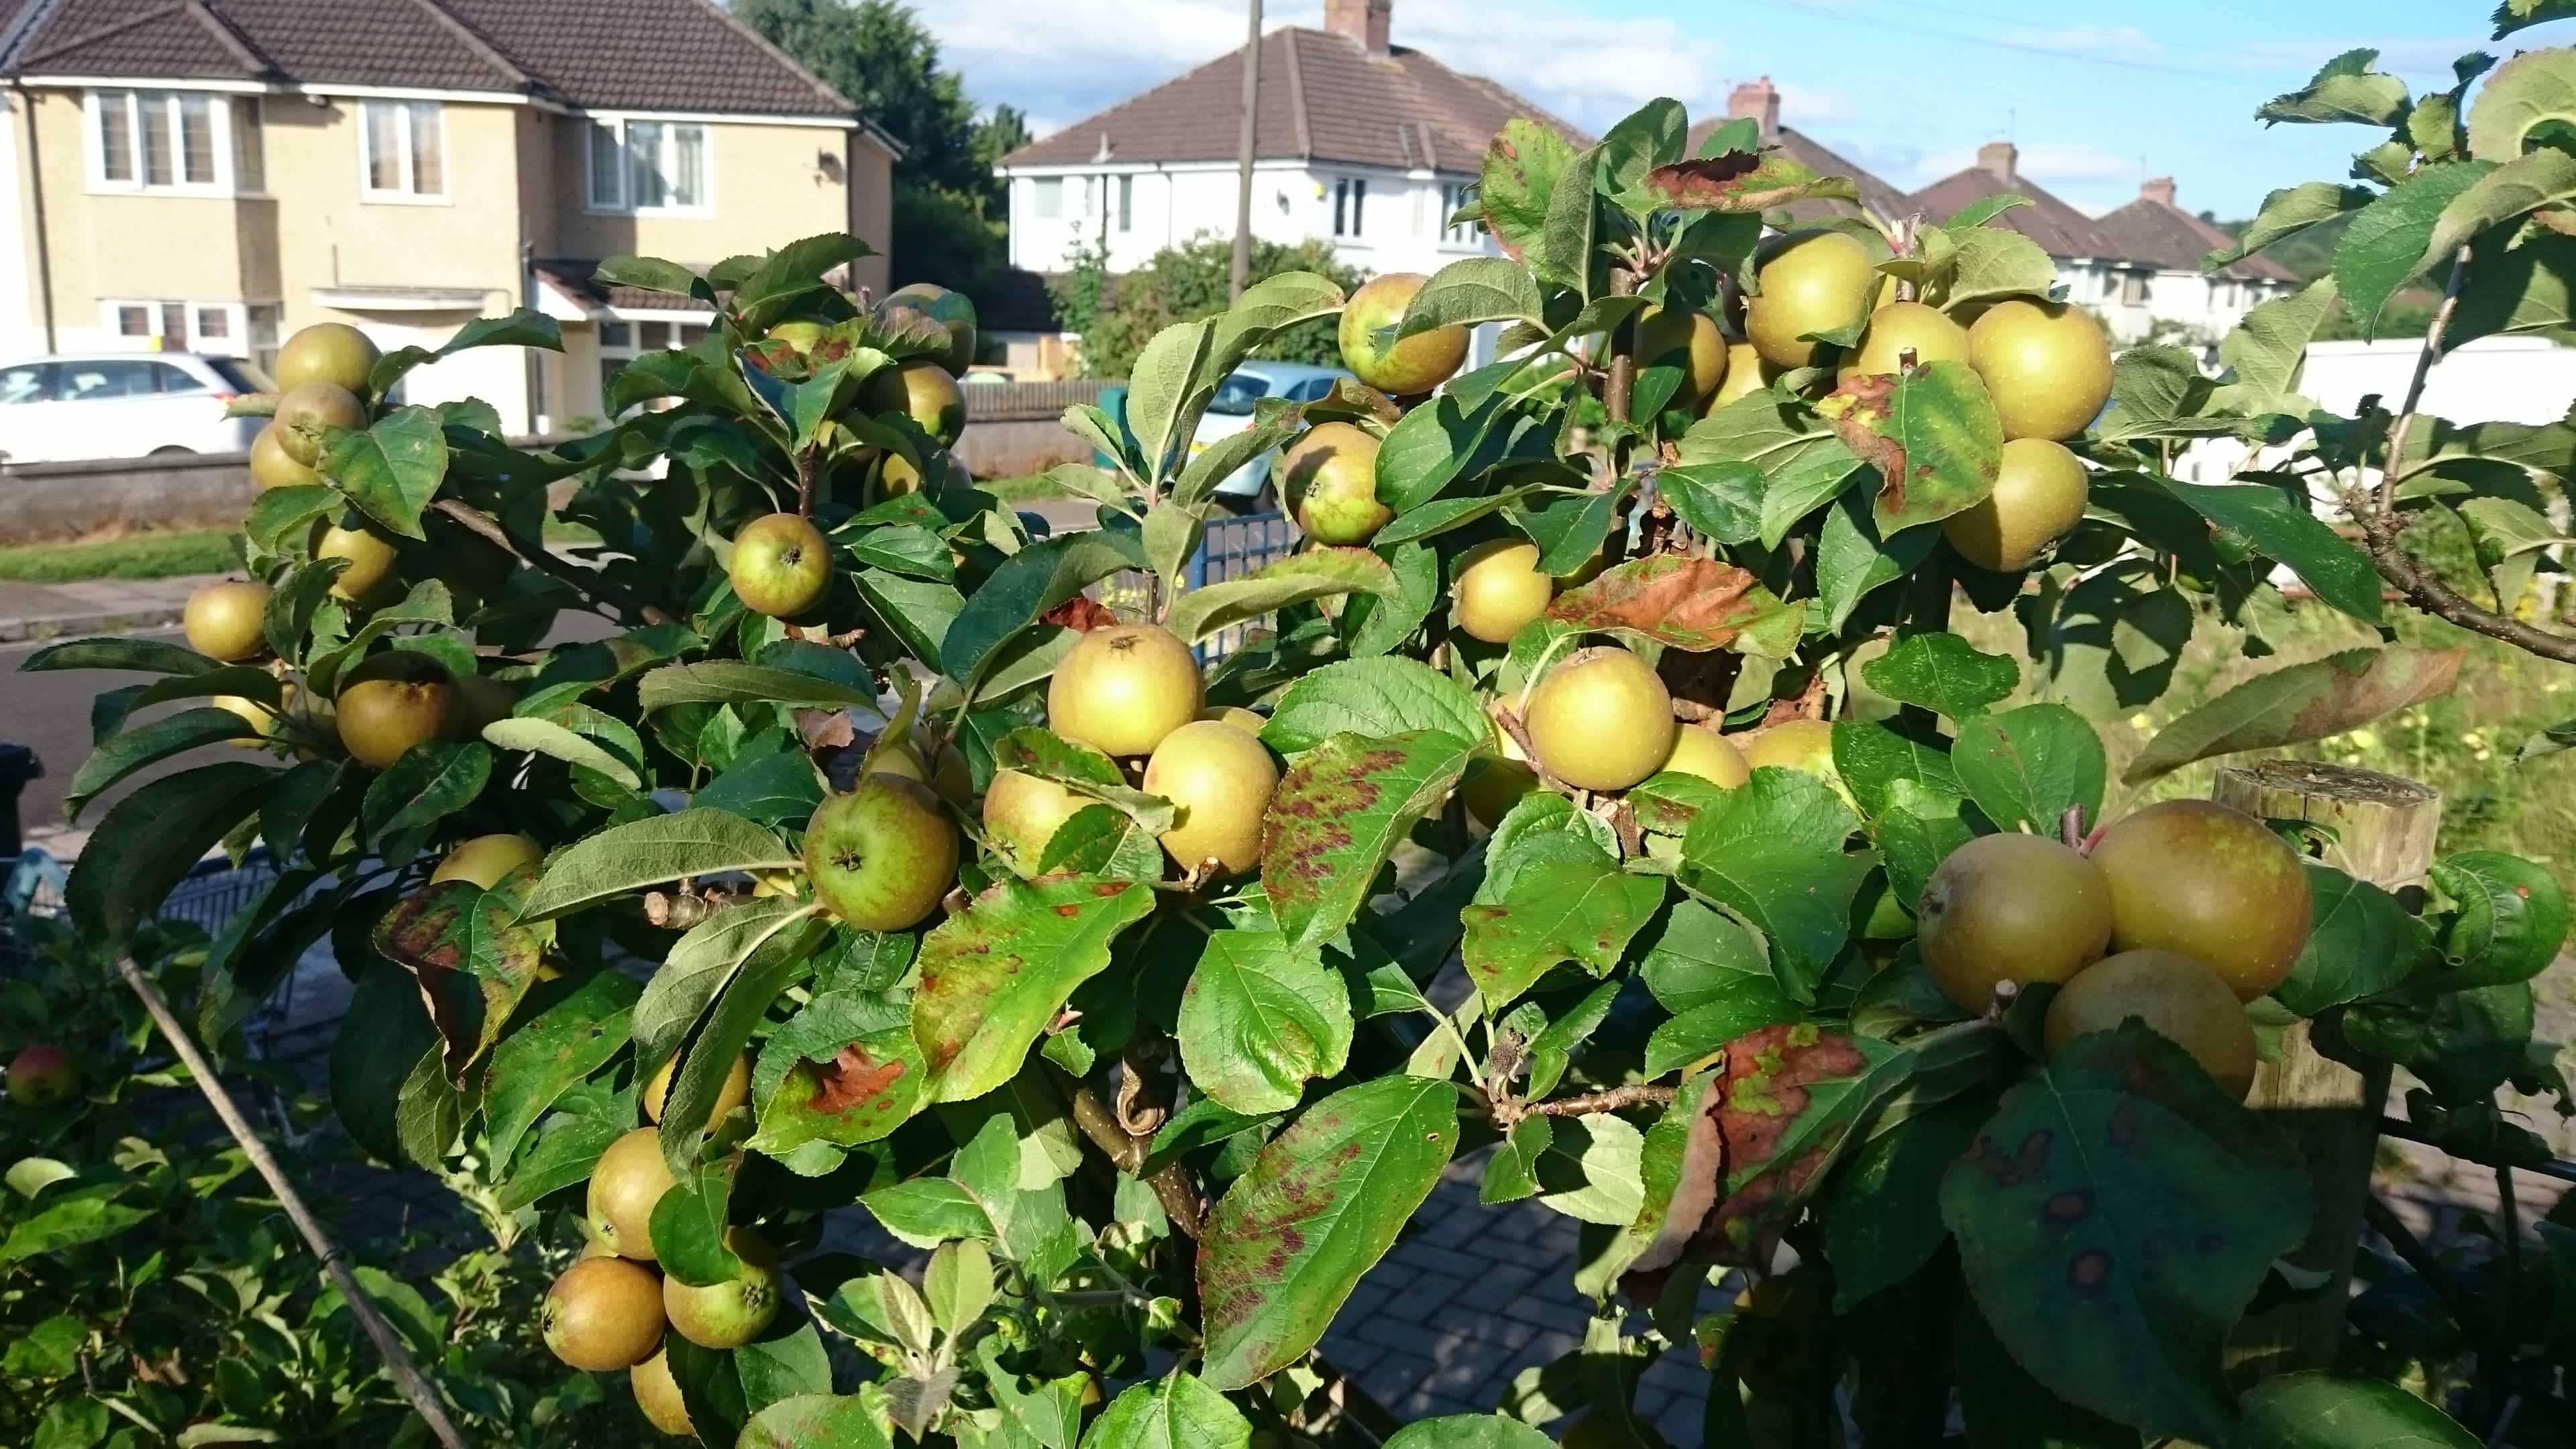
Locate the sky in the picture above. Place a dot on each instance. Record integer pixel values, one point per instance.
(1906, 88)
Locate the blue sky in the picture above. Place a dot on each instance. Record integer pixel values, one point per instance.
(2097, 97)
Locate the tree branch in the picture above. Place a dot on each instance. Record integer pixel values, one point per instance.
(537, 556)
(1621, 391)
(1637, 1094)
(1171, 1184)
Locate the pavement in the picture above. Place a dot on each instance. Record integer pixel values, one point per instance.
(44, 612)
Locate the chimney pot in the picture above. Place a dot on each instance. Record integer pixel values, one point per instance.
(1756, 101)
(1362, 22)
(2161, 189)
(2001, 159)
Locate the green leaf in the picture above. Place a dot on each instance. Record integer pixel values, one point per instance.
(652, 274)
(1466, 1431)
(150, 840)
(698, 967)
(1373, 697)
(2524, 97)
(522, 328)
(2545, 178)
(2512, 918)
(121, 755)
(959, 1285)
(1028, 584)
(539, 1062)
(2286, 212)
(1743, 182)
(1998, 262)
(385, 1035)
(1771, 851)
(1160, 383)
(1941, 672)
(1882, 1219)
(1589, 1171)
(780, 787)
(2362, 942)
(928, 1211)
(2285, 530)
(2301, 702)
(1702, 1028)
(2513, 15)
(2383, 249)
(1177, 1411)
(779, 1367)
(429, 783)
(1518, 181)
(2114, 1219)
(2345, 88)
(843, 1421)
(151, 656)
(1472, 290)
(1932, 434)
(688, 1228)
(1852, 559)
(1339, 814)
(1318, 1207)
(1566, 910)
(546, 737)
(647, 852)
(2319, 1411)
(2266, 351)
(1511, 1174)
(2024, 767)
(995, 975)
(2463, 1044)
(1260, 1020)
(729, 681)
(781, 961)
(1313, 573)
(391, 469)
(68, 1224)
(473, 959)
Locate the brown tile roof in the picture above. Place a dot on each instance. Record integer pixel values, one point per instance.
(2059, 228)
(1876, 194)
(1323, 98)
(686, 55)
(2149, 230)
(578, 279)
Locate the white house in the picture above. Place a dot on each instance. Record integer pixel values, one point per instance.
(2094, 269)
(1359, 140)
(2205, 305)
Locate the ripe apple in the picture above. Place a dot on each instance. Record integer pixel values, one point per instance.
(332, 353)
(1894, 330)
(952, 310)
(1701, 751)
(882, 855)
(1601, 720)
(924, 391)
(484, 699)
(781, 565)
(1689, 340)
(1022, 814)
(1496, 785)
(1329, 479)
(1805, 745)
(271, 466)
(43, 1076)
(735, 1091)
(372, 556)
(954, 780)
(1248, 721)
(2045, 363)
(1222, 780)
(303, 413)
(1810, 281)
(227, 621)
(2209, 882)
(1746, 373)
(657, 1393)
(2038, 499)
(486, 858)
(630, 1178)
(2178, 998)
(732, 1313)
(1417, 364)
(1499, 589)
(2018, 908)
(1123, 688)
(260, 716)
(602, 1314)
(897, 477)
(393, 701)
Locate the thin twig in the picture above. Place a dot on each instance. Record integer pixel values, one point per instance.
(1636, 1094)
(1171, 1183)
(2425, 357)
(583, 580)
(398, 1360)
(1621, 390)
(805, 482)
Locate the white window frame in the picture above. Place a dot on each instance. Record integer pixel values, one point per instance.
(402, 193)
(1041, 188)
(237, 343)
(134, 100)
(625, 205)
(1471, 236)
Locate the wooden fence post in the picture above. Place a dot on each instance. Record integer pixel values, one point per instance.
(2383, 828)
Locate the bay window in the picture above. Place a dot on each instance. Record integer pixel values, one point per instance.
(179, 141)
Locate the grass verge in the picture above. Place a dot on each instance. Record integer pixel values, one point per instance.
(135, 556)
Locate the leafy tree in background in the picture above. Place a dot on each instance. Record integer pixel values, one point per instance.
(1116, 317)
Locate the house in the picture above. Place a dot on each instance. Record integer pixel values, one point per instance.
(2201, 306)
(212, 175)
(1371, 144)
(1758, 101)
(2090, 265)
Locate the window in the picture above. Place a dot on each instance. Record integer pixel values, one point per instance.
(133, 321)
(402, 150)
(1350, 199)
(2133, 289)
(31, 383)
(173, 141)
(1453, 198)
(174, 324)
(214, 323)
(1050, 197)
(260, 321)
(1126, 189)
(237, 376)
(250, 152)
(1236, 396)
(648, 166)
(90, 381)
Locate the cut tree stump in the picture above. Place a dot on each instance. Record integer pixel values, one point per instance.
(2383, 828)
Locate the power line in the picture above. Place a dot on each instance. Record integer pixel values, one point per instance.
(1993, 43)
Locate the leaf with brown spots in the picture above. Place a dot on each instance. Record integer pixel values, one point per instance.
(1931, 434)
(1786, 1105)
(1743, 181)
(1688, 603)
(1338, 815)
(472, 958)
(1563, 910)
(1081, 614)
(2298, 703)
(577, 1027)
(1520, 177)
(2114, 1218)
(862, 1092)
(994, 975)
(1318, 1207)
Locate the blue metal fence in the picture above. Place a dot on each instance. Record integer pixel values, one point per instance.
(1232, 548)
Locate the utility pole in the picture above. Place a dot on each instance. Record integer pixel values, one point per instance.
(1243, 156)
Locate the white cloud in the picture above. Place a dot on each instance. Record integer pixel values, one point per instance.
(2117, 42)
(1808, 108)
(1072, 58)
(2066, 170)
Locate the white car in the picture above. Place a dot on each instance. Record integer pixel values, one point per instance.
(73, 408)
(1248, 488)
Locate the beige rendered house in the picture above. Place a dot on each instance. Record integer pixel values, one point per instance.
(210, 175)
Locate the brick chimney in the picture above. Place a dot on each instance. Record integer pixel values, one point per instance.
(1363, 22)
(2000, 159)
(1756, 101)
(2160, 190)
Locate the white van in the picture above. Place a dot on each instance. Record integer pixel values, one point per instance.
(123, 405)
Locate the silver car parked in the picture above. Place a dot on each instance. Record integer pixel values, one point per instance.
(1247, 489)
(72, 408)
